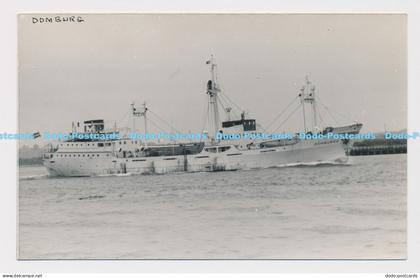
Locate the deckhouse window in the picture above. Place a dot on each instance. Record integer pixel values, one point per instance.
(211, 150)
(223, 149)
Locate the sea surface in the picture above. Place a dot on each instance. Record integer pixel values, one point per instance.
(301, 212)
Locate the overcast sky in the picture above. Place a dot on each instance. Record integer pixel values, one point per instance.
(95, 69)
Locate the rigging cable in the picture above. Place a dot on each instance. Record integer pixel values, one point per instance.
(227, 103)
(331, 116)
(237, 106)
(326, 108)
(319, 114)
(287, 117)
(205, 119)
(156, 125)
(123, 117)
(281, 113)
(163, 120)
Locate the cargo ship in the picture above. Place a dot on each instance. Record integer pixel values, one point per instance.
(124, 155)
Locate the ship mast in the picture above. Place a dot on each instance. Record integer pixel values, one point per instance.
(133, 114)
(212, 91)
(141, 113)
(302, 92)
(307, 96)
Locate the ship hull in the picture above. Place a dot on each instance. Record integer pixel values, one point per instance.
(303, 152)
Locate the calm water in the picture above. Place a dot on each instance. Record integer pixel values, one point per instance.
(307, 212)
